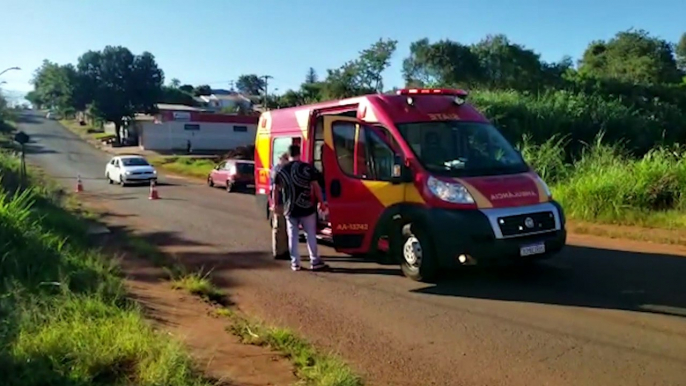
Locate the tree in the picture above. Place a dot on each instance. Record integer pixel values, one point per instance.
(290, 98)
(507, 65)
(442, 63)
(120, 83)
(34, 98)
(373, 61)
(187, 88)
(250, 84)
(344, 82)
(631, 56)
(363, 75)
(310, 91)
(58, 86)
(202, 90)
(311, 76)
(173, 95)
(175, 83)
(680, 52)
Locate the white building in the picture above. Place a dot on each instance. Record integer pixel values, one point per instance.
(175, 127)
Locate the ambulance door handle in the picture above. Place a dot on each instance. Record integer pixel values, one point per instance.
(335, 188)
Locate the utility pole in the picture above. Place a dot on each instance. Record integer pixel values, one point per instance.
(266, 90)
(231, 84)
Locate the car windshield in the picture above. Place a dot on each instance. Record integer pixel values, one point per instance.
(245, 168)
(462, 149)
(134, 161)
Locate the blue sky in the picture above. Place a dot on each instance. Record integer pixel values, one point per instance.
(215, 41)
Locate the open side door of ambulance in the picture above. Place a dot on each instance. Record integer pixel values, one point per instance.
(355, 200)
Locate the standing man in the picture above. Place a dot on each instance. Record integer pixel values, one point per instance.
(297, 182)
(279, 235)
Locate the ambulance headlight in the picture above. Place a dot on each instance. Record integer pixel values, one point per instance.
(452, 192)
(545, 187)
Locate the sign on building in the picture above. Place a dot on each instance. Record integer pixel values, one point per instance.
(181, 115)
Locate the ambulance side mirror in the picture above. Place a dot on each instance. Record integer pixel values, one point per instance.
(401, 172)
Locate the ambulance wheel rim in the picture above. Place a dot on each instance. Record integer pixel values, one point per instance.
(412, 252)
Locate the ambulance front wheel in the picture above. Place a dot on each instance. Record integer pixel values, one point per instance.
(418, 260)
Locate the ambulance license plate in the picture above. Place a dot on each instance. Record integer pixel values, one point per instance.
(532, 249)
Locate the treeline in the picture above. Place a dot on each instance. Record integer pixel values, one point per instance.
(631, 87)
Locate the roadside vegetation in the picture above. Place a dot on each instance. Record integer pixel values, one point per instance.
(87, 131)
(606, 184)
(65, 318)
(313, 367)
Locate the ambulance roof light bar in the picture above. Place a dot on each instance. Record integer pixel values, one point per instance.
(459, 94)
(432, 91)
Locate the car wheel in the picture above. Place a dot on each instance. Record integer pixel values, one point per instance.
(418, 255)
(210, 183)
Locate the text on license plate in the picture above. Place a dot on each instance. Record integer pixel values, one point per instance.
(532, 249)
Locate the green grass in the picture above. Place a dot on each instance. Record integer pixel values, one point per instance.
(65, 318)
(199, 285)
(87, 131)
(313, 367)
(187, 166)
(104, 136)
(605, 184)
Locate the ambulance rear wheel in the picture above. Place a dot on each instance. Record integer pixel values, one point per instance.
(418, 260)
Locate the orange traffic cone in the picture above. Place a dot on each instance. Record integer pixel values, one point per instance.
(79, 184)
(153, 191)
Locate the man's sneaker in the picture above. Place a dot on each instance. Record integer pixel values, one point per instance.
(320, 267)
(295, 267)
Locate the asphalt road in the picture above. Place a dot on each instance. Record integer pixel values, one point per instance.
(592, 316)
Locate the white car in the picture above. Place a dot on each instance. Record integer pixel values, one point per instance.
(129, 169)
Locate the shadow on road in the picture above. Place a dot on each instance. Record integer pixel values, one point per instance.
(194, 256)
(29, 118)
(32, 148)
(580, 276)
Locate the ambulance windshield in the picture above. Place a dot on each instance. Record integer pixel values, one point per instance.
(462, 149)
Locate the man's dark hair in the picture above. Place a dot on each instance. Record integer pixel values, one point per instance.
(294, 151)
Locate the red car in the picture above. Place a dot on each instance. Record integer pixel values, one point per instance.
(233, 174)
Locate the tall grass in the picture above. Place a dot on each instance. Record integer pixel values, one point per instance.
(579, 117)
(64, 316)
(605, 183)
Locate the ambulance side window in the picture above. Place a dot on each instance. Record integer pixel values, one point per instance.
(380, 157)
(280, 146)
(344, 144)
(374, 159)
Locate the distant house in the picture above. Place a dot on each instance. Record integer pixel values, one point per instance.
(221, 99)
